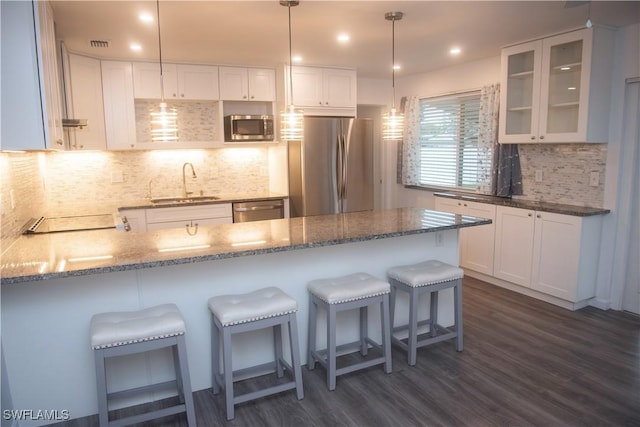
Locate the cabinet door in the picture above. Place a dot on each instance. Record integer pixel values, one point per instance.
(307, 86)
(146, 80)
(85, 102)
(477, 243)
(262, 84)
(520, 93)
(198, 82)
(234, 84)
(339, 88)
(514, 245)
(565, 87)
(556, 254)
(119, 110)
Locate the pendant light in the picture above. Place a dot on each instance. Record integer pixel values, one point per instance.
(164, 126)
(291, 123)
(393, 121)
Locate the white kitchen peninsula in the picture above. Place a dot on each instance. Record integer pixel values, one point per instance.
(53, 283)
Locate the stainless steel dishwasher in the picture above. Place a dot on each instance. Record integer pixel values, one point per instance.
(258, 210)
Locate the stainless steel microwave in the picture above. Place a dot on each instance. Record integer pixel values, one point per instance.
(248, 128)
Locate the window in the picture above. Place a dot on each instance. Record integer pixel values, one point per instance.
(449, 154)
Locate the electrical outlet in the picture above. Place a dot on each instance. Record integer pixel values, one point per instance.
(538, 175)
(117, 177)
(594, 179)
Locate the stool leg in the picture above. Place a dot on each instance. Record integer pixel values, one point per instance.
(331, 346)
(295, 354)
(386, 333)
(364, 331)
(412, 341)
(185, 380)
(101, 382)
(458, 314)
(228, 372)
(392, 303)
(277, 345)
(433, 315)
(311, 345)
(177, 369)
(215, 356)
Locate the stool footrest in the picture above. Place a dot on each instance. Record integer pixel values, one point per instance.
(134, 419)
(447, 335)
(167, 385)
(360, 365)
(264, 392)
(406, 327)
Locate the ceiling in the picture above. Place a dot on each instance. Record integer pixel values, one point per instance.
(256, 32)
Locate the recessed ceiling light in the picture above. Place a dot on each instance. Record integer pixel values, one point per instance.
(145, 17)
(296, 58)
(455, 51)
(343, 38)
(397, 67)
(135, 47)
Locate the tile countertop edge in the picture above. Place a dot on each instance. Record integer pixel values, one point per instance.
(573, 210)
(469, 222)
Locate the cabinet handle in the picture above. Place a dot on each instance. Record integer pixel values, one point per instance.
(541, 136)
(465, 205)
(59, 141)
(326, 103)
(529, 214)
(320, 102)
(252, 96)
(244, 96)
(533, 138)
(538, 216)
(174, 95)
(182, 95)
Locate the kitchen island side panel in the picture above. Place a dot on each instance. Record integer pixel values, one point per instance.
(45, 325)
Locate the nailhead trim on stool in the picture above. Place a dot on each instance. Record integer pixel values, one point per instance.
(426, 277)
(121, 333)
(359, 290)
(264, 308)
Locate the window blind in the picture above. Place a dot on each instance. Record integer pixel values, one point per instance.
(449, 154)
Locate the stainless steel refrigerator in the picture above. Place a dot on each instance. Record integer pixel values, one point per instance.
(331, 168)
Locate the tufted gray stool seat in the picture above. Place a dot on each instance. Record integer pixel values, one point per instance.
(426, 277)
(264, 308)
(123, 333)
(359, 290)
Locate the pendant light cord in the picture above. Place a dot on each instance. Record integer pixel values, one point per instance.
(160, 51)
(393, 62)
(290, 56)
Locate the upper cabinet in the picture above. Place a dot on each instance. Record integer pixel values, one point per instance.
(557, 89)
(181, 81)
(323, 91)
(119, 107)
(247, 84)
(31, 94)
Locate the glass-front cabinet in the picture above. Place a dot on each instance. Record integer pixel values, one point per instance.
(554, 90)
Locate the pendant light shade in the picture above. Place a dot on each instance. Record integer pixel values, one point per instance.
(164, 120)
(393, 121)
(292, 119)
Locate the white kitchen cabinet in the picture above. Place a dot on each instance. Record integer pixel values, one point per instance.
(188, 217)
(557, 89)
(247, 84)
(514, 234)
(181, 81)
(31, 100)
(565, 255)
(476, 243)
(119, 108)
(325, 91)
(83, 83)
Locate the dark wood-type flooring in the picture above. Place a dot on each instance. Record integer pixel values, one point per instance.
(525, 363)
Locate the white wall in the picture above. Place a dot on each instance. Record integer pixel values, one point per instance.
(626, 64)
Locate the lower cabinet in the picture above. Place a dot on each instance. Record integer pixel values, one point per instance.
(476, 243)
(187, 217)
(551, 253)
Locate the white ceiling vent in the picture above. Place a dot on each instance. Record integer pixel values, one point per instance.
(99, 43)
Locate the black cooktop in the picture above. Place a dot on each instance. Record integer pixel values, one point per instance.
(69, 223)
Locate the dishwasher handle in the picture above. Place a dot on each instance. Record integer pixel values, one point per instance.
(257, 208)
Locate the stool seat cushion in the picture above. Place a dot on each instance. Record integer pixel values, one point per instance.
(127, 327)
(425, 273)
(348, 288)
(256, 305)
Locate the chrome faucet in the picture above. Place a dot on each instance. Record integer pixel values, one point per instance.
(186, 193)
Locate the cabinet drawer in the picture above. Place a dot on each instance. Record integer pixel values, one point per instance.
(188, 213)
(189, 224)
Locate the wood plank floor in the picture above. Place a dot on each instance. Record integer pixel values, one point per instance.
(525, 363)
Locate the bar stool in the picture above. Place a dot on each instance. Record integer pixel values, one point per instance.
(123, 333)
(264, 308)
(359, 290)
(426, 277)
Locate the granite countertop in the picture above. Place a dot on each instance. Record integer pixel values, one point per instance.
(558, 208)
(58, 255)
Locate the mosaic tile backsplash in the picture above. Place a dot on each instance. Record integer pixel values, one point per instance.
(196, 119)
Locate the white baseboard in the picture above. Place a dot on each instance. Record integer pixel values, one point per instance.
(602, 304)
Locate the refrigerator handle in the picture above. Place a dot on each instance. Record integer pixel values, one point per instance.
(345, 154)
(338, 171)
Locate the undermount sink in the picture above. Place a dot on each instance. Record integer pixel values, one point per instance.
(180, 199)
